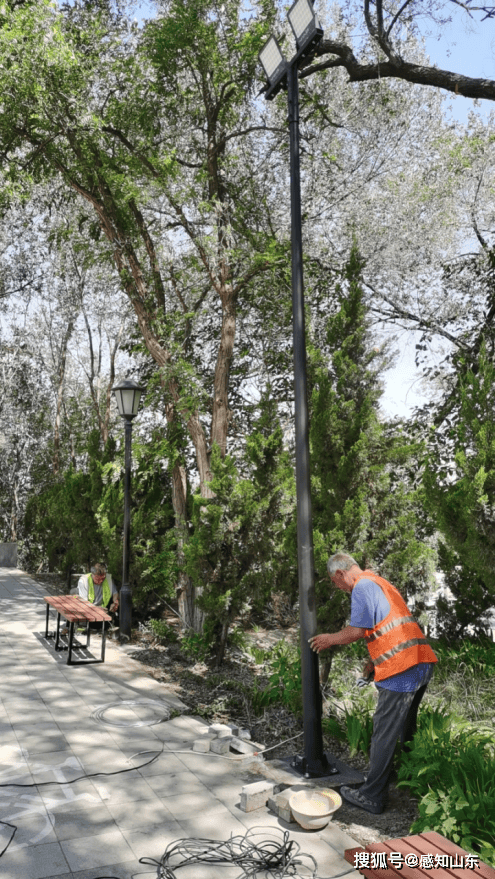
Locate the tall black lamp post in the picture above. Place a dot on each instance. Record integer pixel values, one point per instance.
(128, 395)
(283, 74)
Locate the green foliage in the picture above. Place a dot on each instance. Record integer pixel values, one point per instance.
(196, 644)
(62, 517)
(233, 549)
(78, 520)
(460, 483)
(163, 631)
(332, 727)
(464, 814)
(451, 768)
(361, 485)
(284, 680)
(478, 659)
(359, 727)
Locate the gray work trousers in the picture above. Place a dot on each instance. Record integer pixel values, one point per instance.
(395, 718)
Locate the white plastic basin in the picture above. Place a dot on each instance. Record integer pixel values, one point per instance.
(313, 809)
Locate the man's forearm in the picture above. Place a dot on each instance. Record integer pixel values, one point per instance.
(348, 635)
(345, 636)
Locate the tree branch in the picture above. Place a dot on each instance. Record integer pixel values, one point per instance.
(467, 86)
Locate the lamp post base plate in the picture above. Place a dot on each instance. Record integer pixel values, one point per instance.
(283, 771)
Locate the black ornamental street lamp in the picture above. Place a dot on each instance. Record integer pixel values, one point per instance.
(283, 74)
(128, 395)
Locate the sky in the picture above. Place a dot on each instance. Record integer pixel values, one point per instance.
(466, 47)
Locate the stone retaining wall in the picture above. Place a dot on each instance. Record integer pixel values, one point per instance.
(8, 555)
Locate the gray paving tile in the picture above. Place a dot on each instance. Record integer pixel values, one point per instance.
(26, 714)
(44, 744)
(196, 802)
(34, 862)
(145, 815)
(7, 732)
(336, 838)
(141, 749)
(101, 758)
(90, 822)
(70, 797)
(174, 783)
(57, 766)
(165, 764)
(123, 789)
(152, 842)
(128, 870)
(206, 765)
(88, 852)
(30, 830)
(200, 824)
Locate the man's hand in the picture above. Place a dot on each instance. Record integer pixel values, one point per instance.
(368, 669)
(321, 642)
(114, 605)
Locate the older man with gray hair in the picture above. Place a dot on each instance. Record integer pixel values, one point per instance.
(99, 588)
(401, 661)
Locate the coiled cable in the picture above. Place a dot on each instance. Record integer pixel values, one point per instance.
(277, 859)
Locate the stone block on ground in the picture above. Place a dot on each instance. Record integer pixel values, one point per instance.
(224, 729)
(242, 747)
(203, 743)
(256, 795)
(220, 745)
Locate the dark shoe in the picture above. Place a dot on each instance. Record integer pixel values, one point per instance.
(355, 798)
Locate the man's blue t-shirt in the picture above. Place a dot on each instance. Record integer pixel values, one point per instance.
(369, 606)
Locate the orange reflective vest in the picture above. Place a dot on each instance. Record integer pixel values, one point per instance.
(397, 642)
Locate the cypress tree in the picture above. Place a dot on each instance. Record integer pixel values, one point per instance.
(363, 497)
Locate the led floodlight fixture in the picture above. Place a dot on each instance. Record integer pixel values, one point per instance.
(306, 27)
(273, 60)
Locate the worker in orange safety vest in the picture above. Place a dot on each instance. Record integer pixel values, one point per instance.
(401, 661)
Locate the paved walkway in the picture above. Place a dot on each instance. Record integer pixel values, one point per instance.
(100, 827)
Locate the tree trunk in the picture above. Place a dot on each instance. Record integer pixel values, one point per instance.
(60, 397)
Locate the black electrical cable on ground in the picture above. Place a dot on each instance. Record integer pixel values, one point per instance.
(278, 859)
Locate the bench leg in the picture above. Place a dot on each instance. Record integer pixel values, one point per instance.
(103, 641)
(57, 636)
(47, 619)
(71, 639)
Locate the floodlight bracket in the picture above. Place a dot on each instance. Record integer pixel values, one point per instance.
(304, 53)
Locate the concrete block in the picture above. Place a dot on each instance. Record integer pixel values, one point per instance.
(221, 746)
(283, 809)
(234, 730)
(256, 795)
(242, 747)
(272, 804)
(224, 729)
(203, 743)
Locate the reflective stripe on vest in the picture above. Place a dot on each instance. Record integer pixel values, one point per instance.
(105, 591)
(396, 643)
(399, 621)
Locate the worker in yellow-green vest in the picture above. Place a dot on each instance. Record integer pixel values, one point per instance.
(99, 588)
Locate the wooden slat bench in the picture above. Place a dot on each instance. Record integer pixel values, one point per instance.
(417, 857)
(76, 611)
